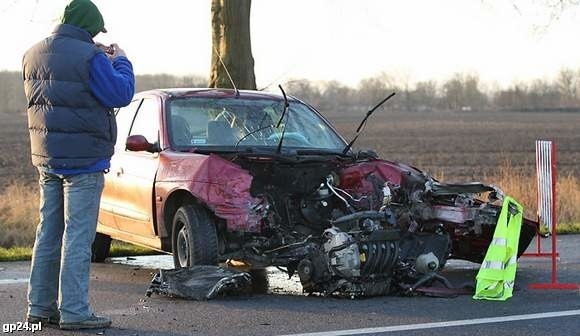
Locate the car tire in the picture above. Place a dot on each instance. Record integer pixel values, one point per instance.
(101, 247)
(194, 237)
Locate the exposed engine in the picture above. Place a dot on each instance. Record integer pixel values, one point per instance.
(363, 229)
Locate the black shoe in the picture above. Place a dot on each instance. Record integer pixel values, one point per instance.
(53, 319)
(93, 322)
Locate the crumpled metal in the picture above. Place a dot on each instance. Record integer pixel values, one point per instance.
(199, 283)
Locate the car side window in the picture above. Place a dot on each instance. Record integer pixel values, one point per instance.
(125, 116)
(146, 121)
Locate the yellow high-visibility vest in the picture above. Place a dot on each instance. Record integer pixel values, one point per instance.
(495, 279)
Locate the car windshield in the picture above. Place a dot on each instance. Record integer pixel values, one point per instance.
(238, 122)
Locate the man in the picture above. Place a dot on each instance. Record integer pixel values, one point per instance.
(71, 86)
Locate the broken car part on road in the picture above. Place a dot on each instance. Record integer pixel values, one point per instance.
(199, 282)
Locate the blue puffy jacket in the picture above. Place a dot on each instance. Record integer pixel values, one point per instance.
(71, 88)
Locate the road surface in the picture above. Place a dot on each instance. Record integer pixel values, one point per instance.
(118, 290)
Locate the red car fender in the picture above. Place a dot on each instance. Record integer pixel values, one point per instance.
(220, 184)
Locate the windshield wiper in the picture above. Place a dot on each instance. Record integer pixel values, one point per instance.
(279, 149)
(252, 132)
(363, 122)
(285, 107)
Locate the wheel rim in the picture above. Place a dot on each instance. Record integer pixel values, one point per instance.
(183, 247)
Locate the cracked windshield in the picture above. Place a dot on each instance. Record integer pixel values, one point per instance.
(237, 122)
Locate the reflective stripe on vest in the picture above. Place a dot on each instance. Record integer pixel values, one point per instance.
(499, 264)
(499, 241)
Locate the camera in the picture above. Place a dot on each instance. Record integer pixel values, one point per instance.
(109, 49)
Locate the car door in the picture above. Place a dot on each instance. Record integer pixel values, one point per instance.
(135, 174)
(109, 201)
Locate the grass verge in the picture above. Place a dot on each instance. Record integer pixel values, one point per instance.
(521, 185)
(118, 249)
(18, 214)
(15, 253)
(122, 249)
(568, 228)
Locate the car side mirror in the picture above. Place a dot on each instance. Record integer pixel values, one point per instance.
(137, 143)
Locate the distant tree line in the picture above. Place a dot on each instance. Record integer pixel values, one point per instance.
(460, 92)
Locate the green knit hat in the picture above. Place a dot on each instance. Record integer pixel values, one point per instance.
(84, 14)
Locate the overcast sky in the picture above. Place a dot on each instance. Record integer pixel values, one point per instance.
(345, 40)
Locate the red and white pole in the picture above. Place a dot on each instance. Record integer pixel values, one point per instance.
(546, 183)
(543, 217)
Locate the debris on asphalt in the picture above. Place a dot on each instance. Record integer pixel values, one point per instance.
(199, 282)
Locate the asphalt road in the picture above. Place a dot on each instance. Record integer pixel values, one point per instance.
(118, 290)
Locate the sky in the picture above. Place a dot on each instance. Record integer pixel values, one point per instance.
(345, 40)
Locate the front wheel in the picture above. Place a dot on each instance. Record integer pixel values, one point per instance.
(194, 237)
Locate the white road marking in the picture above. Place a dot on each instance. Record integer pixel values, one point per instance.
(13, 281)
(443, 324)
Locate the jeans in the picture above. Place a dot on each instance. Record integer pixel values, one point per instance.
(61, 258)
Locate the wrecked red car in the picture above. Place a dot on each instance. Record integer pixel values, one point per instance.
(211, 175)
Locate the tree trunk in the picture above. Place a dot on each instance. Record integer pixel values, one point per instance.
(231, 39)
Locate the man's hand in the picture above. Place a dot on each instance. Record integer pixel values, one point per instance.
(117, 51)
(103, 47)
(111, 51)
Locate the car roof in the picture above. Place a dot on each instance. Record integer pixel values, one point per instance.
(170, 93)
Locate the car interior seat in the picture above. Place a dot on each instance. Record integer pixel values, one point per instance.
(180, 131)
(220, 133)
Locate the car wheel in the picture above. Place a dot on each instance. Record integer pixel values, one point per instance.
(194, 237)
(101, 247)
